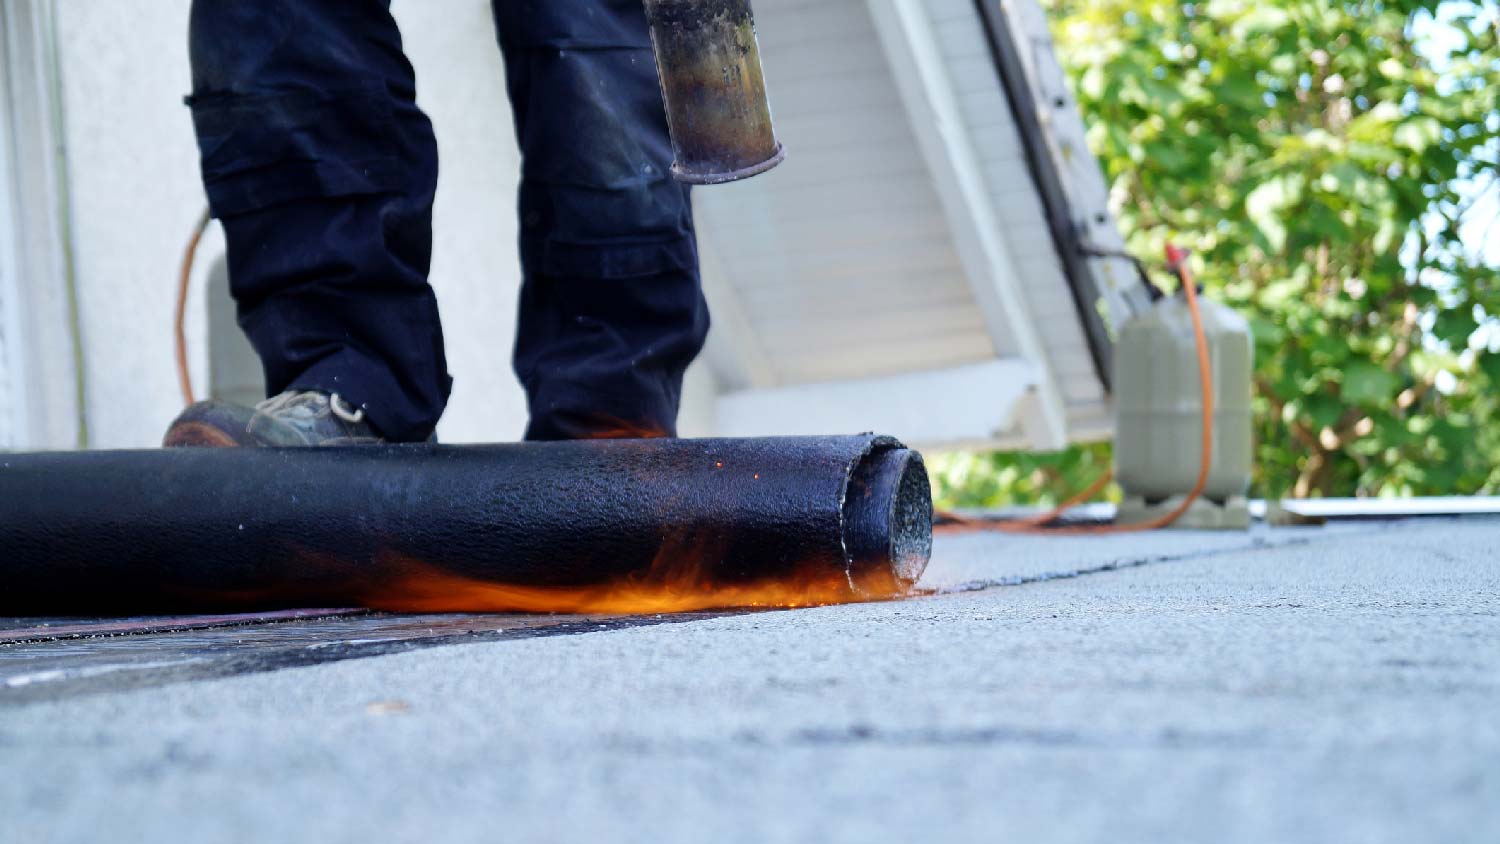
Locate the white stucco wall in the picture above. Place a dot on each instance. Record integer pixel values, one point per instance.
(134, 194)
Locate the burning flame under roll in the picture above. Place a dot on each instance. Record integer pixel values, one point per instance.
(676, 583)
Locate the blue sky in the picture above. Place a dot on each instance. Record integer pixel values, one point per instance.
(1481, 227)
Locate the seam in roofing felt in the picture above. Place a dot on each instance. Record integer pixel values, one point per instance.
(60, 685)
(1257, 544)
(117, 628)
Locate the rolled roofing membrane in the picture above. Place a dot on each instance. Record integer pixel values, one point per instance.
(598, 526)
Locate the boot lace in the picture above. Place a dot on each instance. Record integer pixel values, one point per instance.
(310, 403)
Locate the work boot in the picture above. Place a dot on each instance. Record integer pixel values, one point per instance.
(294, 418)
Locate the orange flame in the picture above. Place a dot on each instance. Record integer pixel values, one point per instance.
(679, 580)
(614, 428)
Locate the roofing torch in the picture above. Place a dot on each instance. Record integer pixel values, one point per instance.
(714, 89)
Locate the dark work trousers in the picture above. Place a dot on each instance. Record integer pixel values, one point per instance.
(322, 169)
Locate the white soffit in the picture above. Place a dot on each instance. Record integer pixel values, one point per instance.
(903, 236)
(966, 405)
(842, 258)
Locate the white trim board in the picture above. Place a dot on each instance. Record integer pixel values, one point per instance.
(976, 403)
(15, 416)
(45, 380)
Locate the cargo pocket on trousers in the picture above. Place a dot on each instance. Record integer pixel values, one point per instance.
(263, 150)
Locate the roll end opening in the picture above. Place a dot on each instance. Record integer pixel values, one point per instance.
(888, 521)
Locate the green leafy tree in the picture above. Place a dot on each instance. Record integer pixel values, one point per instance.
(1323, 161)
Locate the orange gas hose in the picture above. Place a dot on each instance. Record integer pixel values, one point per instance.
(179, 325)
(1177, 261)
(963, 524)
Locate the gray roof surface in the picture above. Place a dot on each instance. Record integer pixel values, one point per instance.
(1287, 685)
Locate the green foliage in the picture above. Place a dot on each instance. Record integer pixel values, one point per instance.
(997, 480)
(1319, 159)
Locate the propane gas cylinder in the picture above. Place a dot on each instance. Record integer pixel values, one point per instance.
(1158, 401)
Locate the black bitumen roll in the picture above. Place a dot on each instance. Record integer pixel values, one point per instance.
(209, 529)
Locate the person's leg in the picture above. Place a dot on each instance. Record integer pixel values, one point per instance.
(322, 169)
(611, 312)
